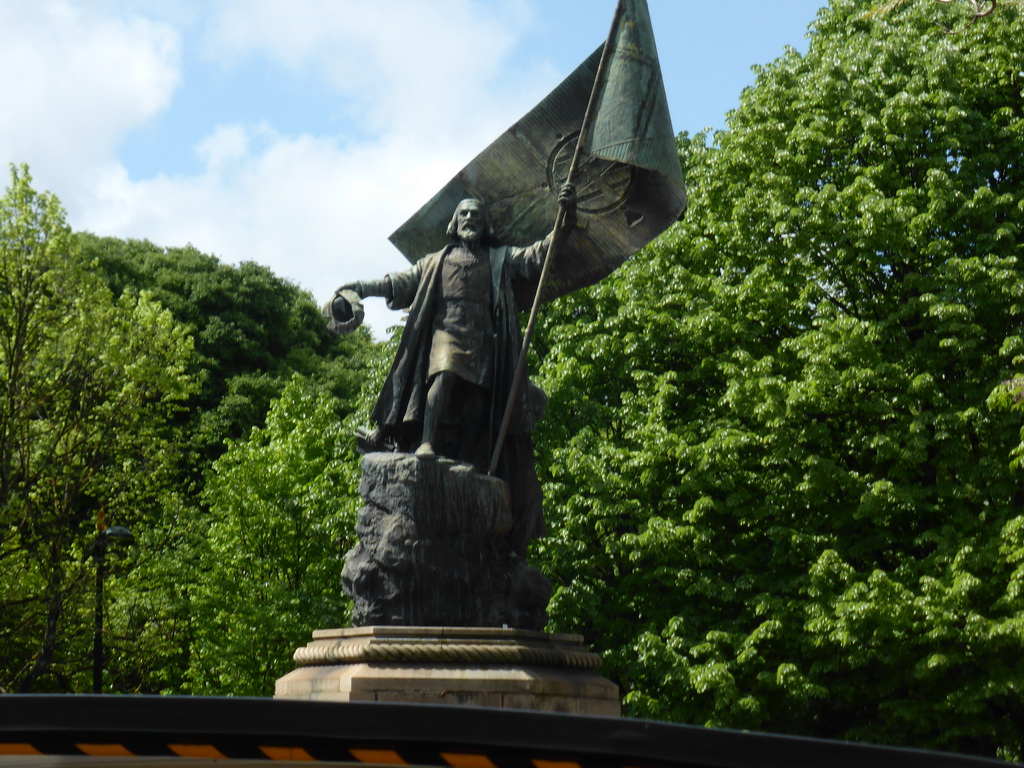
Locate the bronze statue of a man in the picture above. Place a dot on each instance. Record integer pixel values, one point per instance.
(452, 375)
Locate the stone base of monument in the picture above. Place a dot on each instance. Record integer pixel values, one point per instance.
(434, 549)
(503, 668)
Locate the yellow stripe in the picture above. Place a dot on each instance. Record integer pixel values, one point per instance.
(554, 764)
(105, 750)
(207, 751)
(457, 760)
(18, 749)
(378, 756)
(287, 753)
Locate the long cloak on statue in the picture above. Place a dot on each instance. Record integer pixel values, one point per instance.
(402, 402)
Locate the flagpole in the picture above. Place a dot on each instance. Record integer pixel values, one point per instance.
(588, 117)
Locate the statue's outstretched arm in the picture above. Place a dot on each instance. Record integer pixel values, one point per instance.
(344, 311)
(367, 288)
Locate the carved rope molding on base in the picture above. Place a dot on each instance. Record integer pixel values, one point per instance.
(321, 653)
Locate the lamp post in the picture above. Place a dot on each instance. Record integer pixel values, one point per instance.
(114, 533)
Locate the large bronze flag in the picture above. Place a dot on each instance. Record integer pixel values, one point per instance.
(629, 182)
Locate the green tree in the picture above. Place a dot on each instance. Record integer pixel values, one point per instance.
(283, 507)
(779, 499)
(282, 515)
(88, 386)
(252, 330)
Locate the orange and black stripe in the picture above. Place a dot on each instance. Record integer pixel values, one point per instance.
(127, 728)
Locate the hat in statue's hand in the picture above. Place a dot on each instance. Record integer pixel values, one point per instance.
(346, 311)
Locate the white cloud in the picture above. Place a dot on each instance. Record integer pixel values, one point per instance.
(377, 49)
(227, 143)
(400, 65)
(76, 82)
(312, 211)
(429, 82)
(317, 209)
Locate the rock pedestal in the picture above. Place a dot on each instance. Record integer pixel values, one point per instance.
(505, 668)
(434, 549)
(445, 611)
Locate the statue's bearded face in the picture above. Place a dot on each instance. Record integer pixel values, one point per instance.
(471, 222)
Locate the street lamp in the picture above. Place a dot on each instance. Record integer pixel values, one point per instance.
(114, 533)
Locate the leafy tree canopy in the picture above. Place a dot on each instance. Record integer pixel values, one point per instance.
(187, 617)
(125, 370)
(282, 515)
(780, 499)
(252, 330)
(89, 386)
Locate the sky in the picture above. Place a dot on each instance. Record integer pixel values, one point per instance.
(300, 134)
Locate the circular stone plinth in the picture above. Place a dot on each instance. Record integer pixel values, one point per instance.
(446, 645)
(466, 666)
